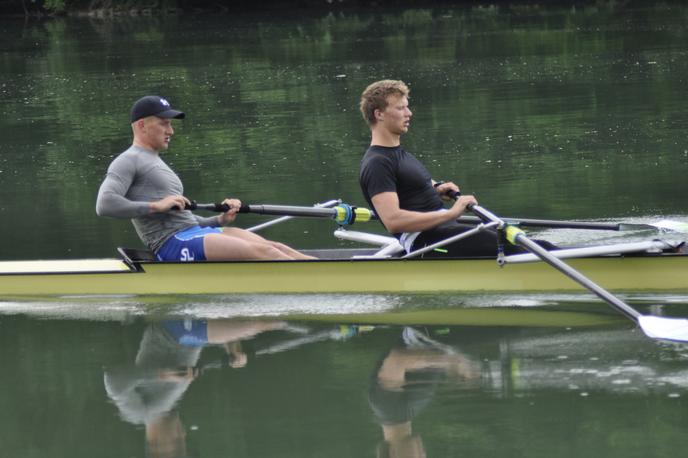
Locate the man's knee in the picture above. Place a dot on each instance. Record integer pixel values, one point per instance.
(262, 251)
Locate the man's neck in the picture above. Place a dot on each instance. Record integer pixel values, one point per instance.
(383, 137)
(144, 145)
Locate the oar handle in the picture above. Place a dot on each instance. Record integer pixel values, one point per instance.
(455, 195)
(452, 194)
(214, 207)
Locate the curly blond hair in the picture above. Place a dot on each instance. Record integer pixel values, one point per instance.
(375, 97)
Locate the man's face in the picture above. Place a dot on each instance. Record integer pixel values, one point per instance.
(396, 117)
(158, 132)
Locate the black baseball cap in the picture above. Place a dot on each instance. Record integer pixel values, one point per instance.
(153, 105)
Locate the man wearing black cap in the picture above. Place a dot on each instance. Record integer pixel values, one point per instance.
(141, 186)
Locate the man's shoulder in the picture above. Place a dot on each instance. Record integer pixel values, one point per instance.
(127, 154)
(382, 154)
(137, 155)
(133, 159)
(384, 150)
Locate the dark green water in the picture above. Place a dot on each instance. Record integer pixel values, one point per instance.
(118, 384)
(541, 112)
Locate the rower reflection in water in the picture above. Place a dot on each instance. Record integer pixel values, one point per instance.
(147, 392)
(405, 382)
(401, 190)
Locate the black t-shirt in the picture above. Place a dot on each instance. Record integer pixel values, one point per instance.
(385, 169)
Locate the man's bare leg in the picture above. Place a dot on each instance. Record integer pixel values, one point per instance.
(223, 247)
(255, 238)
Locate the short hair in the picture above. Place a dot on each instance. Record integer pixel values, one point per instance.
(375, 97)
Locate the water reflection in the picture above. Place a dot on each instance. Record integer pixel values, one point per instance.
(429, 381)
(147, 391)
(586, 363)
(264, 387)
(404, 383)
(452, 377)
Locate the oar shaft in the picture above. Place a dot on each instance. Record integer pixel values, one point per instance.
(545, 223)
(342, 214)
(281, 210)
(290, 210)
(664, 225)
(548, 223)
(576, 276)
(363, 214)
(519, 238)
(272, 222)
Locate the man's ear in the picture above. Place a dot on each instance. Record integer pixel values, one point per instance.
(378, 114)
(137, 127)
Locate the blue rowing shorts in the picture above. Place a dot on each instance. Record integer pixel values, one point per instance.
(191, 333)
(186, 245)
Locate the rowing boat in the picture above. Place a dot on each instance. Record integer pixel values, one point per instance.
(653, 266)
(343, 270)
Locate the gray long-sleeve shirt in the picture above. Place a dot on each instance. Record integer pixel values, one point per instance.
(134, 179)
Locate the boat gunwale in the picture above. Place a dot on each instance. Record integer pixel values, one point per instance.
(72, 272)
(398, 259)
(136, 266)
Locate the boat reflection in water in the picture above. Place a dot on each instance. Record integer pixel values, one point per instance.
(423, 383)
(147, 391)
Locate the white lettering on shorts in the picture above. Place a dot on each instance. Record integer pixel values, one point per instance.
(186, 255)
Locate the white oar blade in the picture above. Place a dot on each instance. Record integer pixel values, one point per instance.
(659, 327)
(671, 225)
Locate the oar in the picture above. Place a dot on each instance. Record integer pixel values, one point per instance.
(663, 225)
(272, 222)
(342, 332)
(343, 214)
(653, 326)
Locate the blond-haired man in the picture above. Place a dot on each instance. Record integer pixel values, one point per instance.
(399, 187)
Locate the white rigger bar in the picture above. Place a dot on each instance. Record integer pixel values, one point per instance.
(455, 238)
(650, 246)
(389, 245)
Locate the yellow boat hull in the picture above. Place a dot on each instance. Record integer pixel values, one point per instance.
(666, 273)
